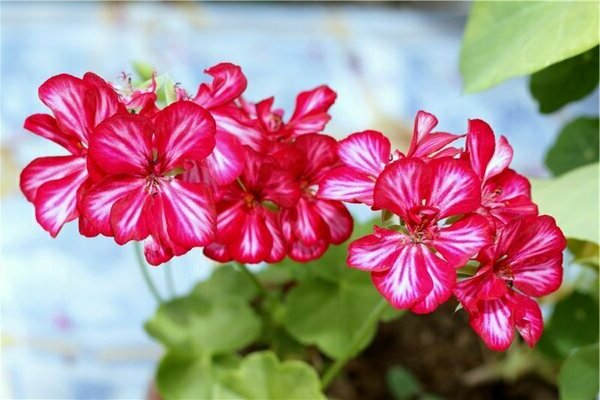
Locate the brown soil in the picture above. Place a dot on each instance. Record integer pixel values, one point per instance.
(438, 349)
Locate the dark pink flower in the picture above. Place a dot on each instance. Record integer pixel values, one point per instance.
(313, 223)
(140, 196)
(248, 222)
(414, 266)
(52, 183)
(525, 262)
(426, 143)
(505, 194)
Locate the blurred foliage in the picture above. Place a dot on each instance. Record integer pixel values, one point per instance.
(403, 385)
(567, 81)
(584, 253)
(572, 199)
(262, 376)
(576, 145)
(504, 39)
(578, 379)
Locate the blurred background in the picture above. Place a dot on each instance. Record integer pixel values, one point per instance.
(73, 308)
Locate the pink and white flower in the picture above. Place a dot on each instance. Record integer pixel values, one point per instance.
(525, 262)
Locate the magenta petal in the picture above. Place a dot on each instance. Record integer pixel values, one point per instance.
(502, 157)
(228, 84)
(424, 124)
(46, 169)
(253, 245)
(480, 146)
(303, 253)
(122, 145)
(66, 95)
(337, 218)
(463, 239)
(401, 186)
(367, 152)
(310, 114)
(407, 281)
(98, 201)
(231, 216)
(56, 201)
(103, 99)
(218, 252)
(454, 189)
(347, 184)
(320, 152)
(127, 216)
(527, 317)
(190, 213)
(376, 252)
(308, 226)
(45, 126)
(184, 131)
(493, 323)
(226, 162)
(155, 252)
(231, 120)
(443, 277)
(279, 247)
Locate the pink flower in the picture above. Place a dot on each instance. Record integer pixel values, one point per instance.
(248, 222)
(313, 223)
(365, 154)
(140, 196)
(53, 184)
(414, 266)
(505, 194)
(526, 262)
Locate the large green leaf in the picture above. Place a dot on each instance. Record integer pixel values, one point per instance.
(262, 376)
(186, 376)
(226, 281)
(504, 39)
(566, 81)
(205, 326)
(578, 377)
(572, 199)
(576, 145)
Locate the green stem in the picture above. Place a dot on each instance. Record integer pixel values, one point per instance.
(359, 338)
(169, 279)
(143, 267)
(261, 289)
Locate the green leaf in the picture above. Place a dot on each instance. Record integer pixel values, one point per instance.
(584, 253)
(576, 145)
(263, 376)
(574, 323)
(143, 70)
(578, 377)
(226, 281)
(572, 199)
(183, 376)
(567, 81)
(202, 326)
(402, 384)
(504, 39)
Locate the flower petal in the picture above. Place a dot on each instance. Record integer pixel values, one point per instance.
(127, 216)
(254, 243)
(45, 126)
(502, 157)
(455, 189)
(463, 239)
(279, 247)
(228, 84)
(218, 252)
(231, 120)
(46, 169)
(407, 281)
(310, 114)
(376, 252)
(480, 146)
(367, 152)
(320, 152)
(122, 145)
(66, 96)
(527, 317)
(443, 277)
(56, 201)
(155, 252)
(347, 184)
(184, 132)
(493, 323)
(401, 186)
(337, 218)
(308, 224)
(226, 162)
(300, 252)
(190, 212)
(230, 216)
(98, 201)
(103, 99)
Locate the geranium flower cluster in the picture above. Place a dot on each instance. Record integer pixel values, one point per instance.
(209, 170)
(216, 171)
(446, 208)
